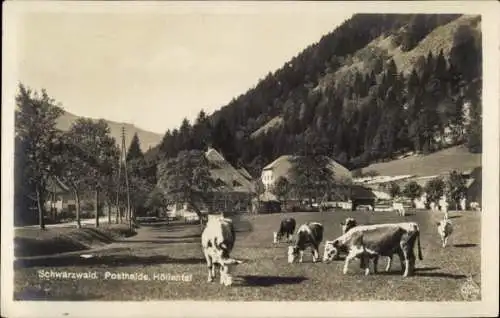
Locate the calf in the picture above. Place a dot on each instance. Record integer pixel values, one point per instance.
(371, 241)
(445, 229)
(217, 241)
(399, 208)
(287, 227)
(308, 235)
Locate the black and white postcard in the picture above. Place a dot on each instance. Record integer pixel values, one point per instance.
(229, 159)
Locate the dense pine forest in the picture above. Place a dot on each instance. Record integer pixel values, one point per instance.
(376, 86)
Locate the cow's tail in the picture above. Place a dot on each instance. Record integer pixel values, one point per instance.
(419, 248)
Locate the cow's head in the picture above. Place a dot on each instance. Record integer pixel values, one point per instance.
(293, 253)
(348, 224)
(227, 265)
(331, 251)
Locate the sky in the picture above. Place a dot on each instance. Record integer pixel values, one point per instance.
(153, 68)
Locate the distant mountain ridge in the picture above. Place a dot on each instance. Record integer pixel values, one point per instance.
(147, 139)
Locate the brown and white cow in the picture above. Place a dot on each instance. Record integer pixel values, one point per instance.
(372, 241)
(331, 253)
(445, 228)
(286, 229)
(217, 241)
(308, 235)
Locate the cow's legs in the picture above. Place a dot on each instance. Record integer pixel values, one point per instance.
(315, 254)
(301, 256)
(350, 256)
(389, 263)
(366, 258)
(375, 264)
(401, 256)
(210, 267)
(445, 241)
(405, 251)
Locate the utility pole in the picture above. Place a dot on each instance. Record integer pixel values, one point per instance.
(123, 156)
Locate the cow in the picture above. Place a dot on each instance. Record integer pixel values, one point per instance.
(310, 235)
(348, 224)
(286, 229)
(371, 241)
(217, 240)
(399, 208)
(445, 228)
(475, 206)
(444, 207)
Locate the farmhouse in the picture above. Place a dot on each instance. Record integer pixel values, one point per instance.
(378, 184)
(233, 188)
(282, 166)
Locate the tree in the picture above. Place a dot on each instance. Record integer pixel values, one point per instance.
(134, 150)
(435, 189)
(91, 160)
(35, 120)
(186, 179)
(455, 187)
(156, 201)
(394, 189)
(311, 176)
(258, 189)
(281, 189)
(412, 190)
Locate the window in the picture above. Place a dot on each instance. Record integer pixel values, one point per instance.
(236, 183)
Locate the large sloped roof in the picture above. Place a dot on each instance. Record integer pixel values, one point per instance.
(223, 171)
(281, 167)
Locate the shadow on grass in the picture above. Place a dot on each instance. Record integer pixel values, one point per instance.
(454, 216)
(465, 245)
(440, 275)
(426, 269)
(266, 281)
(107, 260)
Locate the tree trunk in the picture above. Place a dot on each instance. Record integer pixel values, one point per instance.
(41, 213)
(77, 201)
(97, 207)
(197, 211)
(108, 205)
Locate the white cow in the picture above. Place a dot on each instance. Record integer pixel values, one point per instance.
(444, 207)
(445, 228)
(399, 208)
(217, 241)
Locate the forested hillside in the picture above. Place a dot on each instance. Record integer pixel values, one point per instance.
(375, 86)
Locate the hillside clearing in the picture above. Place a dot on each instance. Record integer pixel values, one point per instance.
(438, 163)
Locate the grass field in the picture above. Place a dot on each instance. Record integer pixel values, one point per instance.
(436, 163)
(175, 249)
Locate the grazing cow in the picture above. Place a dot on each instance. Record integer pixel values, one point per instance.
(217, 241)
(348, 224)
(475, 206)
(399, 208)
(371, 241)
(445, 229)
(308, 235)
(287, 227)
